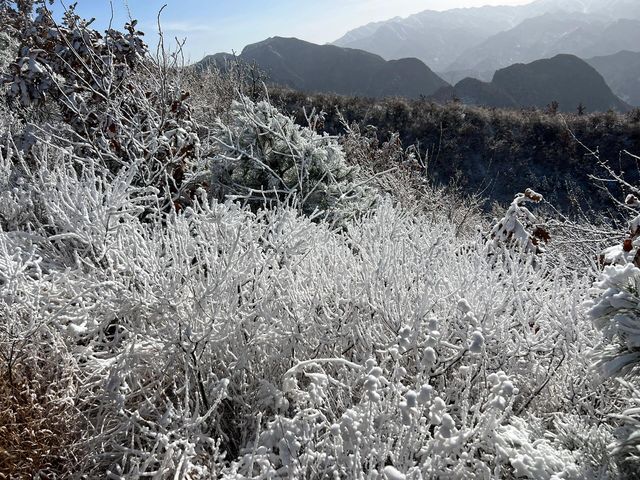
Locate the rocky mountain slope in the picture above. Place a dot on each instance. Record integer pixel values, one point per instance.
(622, 73)
(327, 68)
(565, 79)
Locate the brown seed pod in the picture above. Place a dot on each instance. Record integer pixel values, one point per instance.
(532, 195)
(542, 234)
(631, 200)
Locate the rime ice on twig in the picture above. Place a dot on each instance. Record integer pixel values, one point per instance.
(519, 226)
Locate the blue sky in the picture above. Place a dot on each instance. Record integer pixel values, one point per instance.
(212, 26)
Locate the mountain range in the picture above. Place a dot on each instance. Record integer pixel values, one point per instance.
(565, 79)
(475, 42)
(327, 68)
(307, 67)
(567, 51)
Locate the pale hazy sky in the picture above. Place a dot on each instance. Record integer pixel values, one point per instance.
(212, 26)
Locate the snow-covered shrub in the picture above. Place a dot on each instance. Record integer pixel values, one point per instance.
(6, 47)
(70, 62)
(231, 343)
(628, 436)
(37, 405)
(626, 251)
(402, 173)
(16, 208)
(518, 228)
(615, 311)
(111, 102)
(264, 157)
(214, 88)
(123, 110)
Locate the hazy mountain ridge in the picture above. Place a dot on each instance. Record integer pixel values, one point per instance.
(433, 37)
(478, 41)
(307, 67)
(565, 79)
(583, 35)
(539, 35)
(622, 73)
(327, 68)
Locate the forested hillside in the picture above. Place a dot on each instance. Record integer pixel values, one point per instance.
(194, 285)
(494, 151)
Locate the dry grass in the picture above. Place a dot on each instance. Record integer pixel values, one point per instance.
(39, 425)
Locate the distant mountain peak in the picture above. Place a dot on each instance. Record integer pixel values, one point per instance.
(309, 67)
(467, 40)
(565, 79)
(622, 73)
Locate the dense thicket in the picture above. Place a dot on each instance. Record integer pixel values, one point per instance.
(193, 286)
(494, 151)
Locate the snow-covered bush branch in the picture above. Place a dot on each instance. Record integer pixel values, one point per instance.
(115, 105)
(519, 227)
(615, 311)
(263, 156)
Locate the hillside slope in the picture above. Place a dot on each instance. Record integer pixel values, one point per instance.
(582, 35)
(565, 79)
(471, 91)
(492, 150)
(326, 68)
(622, 73)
